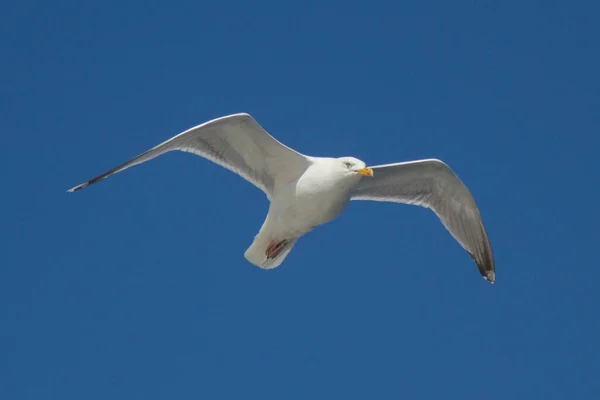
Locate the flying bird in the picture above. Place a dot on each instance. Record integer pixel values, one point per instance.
(306, 192)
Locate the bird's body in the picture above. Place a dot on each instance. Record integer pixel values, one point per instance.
(297, 207)
(306, 192)
(312, 199)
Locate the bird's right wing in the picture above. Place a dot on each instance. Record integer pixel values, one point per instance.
(432, 184)
(236, 142)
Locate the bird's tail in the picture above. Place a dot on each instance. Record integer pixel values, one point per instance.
(257, 252)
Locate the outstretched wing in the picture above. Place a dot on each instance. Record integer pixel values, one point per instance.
(432, 184)
(236, 142)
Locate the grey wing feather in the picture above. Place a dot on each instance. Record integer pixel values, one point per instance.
(432, 184)
(236, 142)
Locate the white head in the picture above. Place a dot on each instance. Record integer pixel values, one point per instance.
(351, 166)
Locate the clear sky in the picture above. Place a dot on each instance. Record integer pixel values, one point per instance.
(137, 288)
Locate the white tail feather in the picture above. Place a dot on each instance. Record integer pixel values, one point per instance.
(256, 253)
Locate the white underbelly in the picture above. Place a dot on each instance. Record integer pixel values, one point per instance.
(295, 211)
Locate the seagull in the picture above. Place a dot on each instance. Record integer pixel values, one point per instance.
(306, 192)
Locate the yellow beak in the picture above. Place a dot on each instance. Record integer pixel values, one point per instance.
(365, 171)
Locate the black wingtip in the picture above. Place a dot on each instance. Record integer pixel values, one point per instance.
(490, 276)
(486, 265)
(485, 262)
(79, 187)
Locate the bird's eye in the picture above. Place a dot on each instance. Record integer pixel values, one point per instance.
(347, 164)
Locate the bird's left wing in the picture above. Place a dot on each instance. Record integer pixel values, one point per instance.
(432, 184)
(236, 142)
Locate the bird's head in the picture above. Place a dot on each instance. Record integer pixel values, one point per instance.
(351, 166)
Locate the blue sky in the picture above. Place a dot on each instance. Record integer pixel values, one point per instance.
(137, 288)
